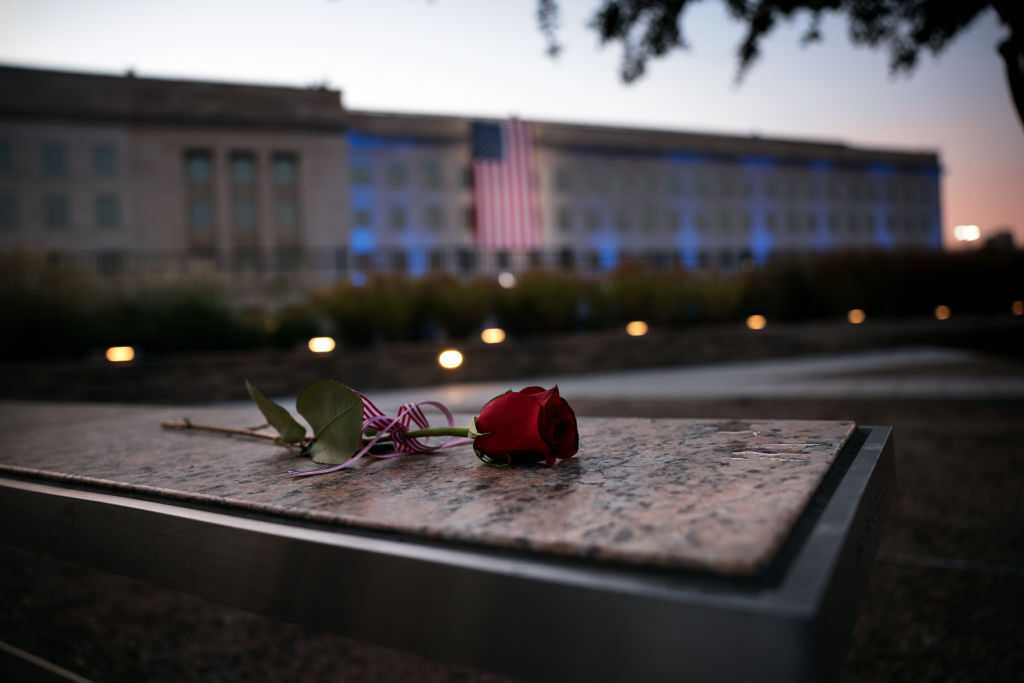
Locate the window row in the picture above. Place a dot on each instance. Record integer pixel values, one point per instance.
(398, 218)
(243, 167)
(55, 160)
(243, 214)
(428, 174)
(55, 211)
(735, 184)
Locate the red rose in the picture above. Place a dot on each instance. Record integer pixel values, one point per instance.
(528, 425)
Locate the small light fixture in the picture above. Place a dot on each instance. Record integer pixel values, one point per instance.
(121, 354)
(449, 359)
(967, 233)
(506, 280)
(636, 328)
(757, 322)
(492, 335)
(1017, 307)
(321, 344)
(856, 316)
(943, 312)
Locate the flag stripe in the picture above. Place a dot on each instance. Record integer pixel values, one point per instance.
(504, 193)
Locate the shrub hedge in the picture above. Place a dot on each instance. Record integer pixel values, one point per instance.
(54, 312)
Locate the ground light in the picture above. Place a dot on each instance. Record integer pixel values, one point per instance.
(321, 344)
(507, 280)
(943, 313)
(856, 316)
(120, 354)
(967, 233)
(1017, 307)
(449, 359)
(636, 328)
(757, 322)
(492, 335)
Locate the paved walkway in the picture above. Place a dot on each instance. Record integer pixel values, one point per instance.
(929, 373)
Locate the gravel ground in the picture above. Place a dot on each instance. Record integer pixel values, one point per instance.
(942, 602)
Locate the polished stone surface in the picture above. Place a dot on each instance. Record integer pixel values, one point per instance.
(713, 495)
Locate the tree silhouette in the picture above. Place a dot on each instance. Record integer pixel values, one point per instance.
(652, 28)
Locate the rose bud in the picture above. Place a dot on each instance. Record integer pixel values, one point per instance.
(527, 426)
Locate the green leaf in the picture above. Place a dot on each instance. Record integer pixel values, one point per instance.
(336, 415)
(277, 417)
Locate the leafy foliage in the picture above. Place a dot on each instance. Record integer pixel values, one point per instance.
(277, 417)
(649, 29)
(335, 413)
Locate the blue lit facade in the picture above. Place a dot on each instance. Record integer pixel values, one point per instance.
(612, 196)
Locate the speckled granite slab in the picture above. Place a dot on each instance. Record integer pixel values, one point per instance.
(714, 495)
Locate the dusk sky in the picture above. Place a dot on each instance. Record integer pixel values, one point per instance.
(488, 58)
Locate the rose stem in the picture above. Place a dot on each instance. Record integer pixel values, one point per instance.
(439, 431)
(188, 424)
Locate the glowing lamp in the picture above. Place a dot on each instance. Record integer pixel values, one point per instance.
(943, 313)
(856, 316)
(757, 322)
(492, 335)
(636, 328)
(1017, 307)
(321, 344)
(120, 354)
(967, 233)
(449, 359)
(506, 280)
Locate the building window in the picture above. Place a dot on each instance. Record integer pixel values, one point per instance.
(702, 223)
(563, 182)
(362, 218)
(593, 219)
(431, 174)
(469, 218)
(286, 213)
(245, 214)
(434, 217)
(671, 220)
(248, 260)
(57, 210)
(466, 259)
(623, 220)
(199, 166)
(110, 263)
(6, 158)
(108, 211)
(200, 215)
(284, 168)
(8, 210)
(399, 261)
(289, 259)
(361, 175)
(650, 219)
(564, 218)
(243, 168)
(396, 175)
(55, 160)
(566, 258)
(503, 260)
(341, 259)
(770, 221)
(535, 259)
(397, 218)
(437, 260)
(467, 178)
(104, 160)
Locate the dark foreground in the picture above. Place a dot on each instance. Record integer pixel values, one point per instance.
(942, 603)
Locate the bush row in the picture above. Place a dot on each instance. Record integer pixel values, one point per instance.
(54, 312)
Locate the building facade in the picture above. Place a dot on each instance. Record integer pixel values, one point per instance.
(598, 197)
(271, 188)
(145, 179)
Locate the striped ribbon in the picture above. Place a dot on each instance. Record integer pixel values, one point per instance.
(396, 429)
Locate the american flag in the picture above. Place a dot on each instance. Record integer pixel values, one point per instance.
(504, 192)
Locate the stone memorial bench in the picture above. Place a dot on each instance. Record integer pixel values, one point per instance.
(698, 550)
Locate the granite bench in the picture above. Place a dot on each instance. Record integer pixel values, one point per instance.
(703, 550)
